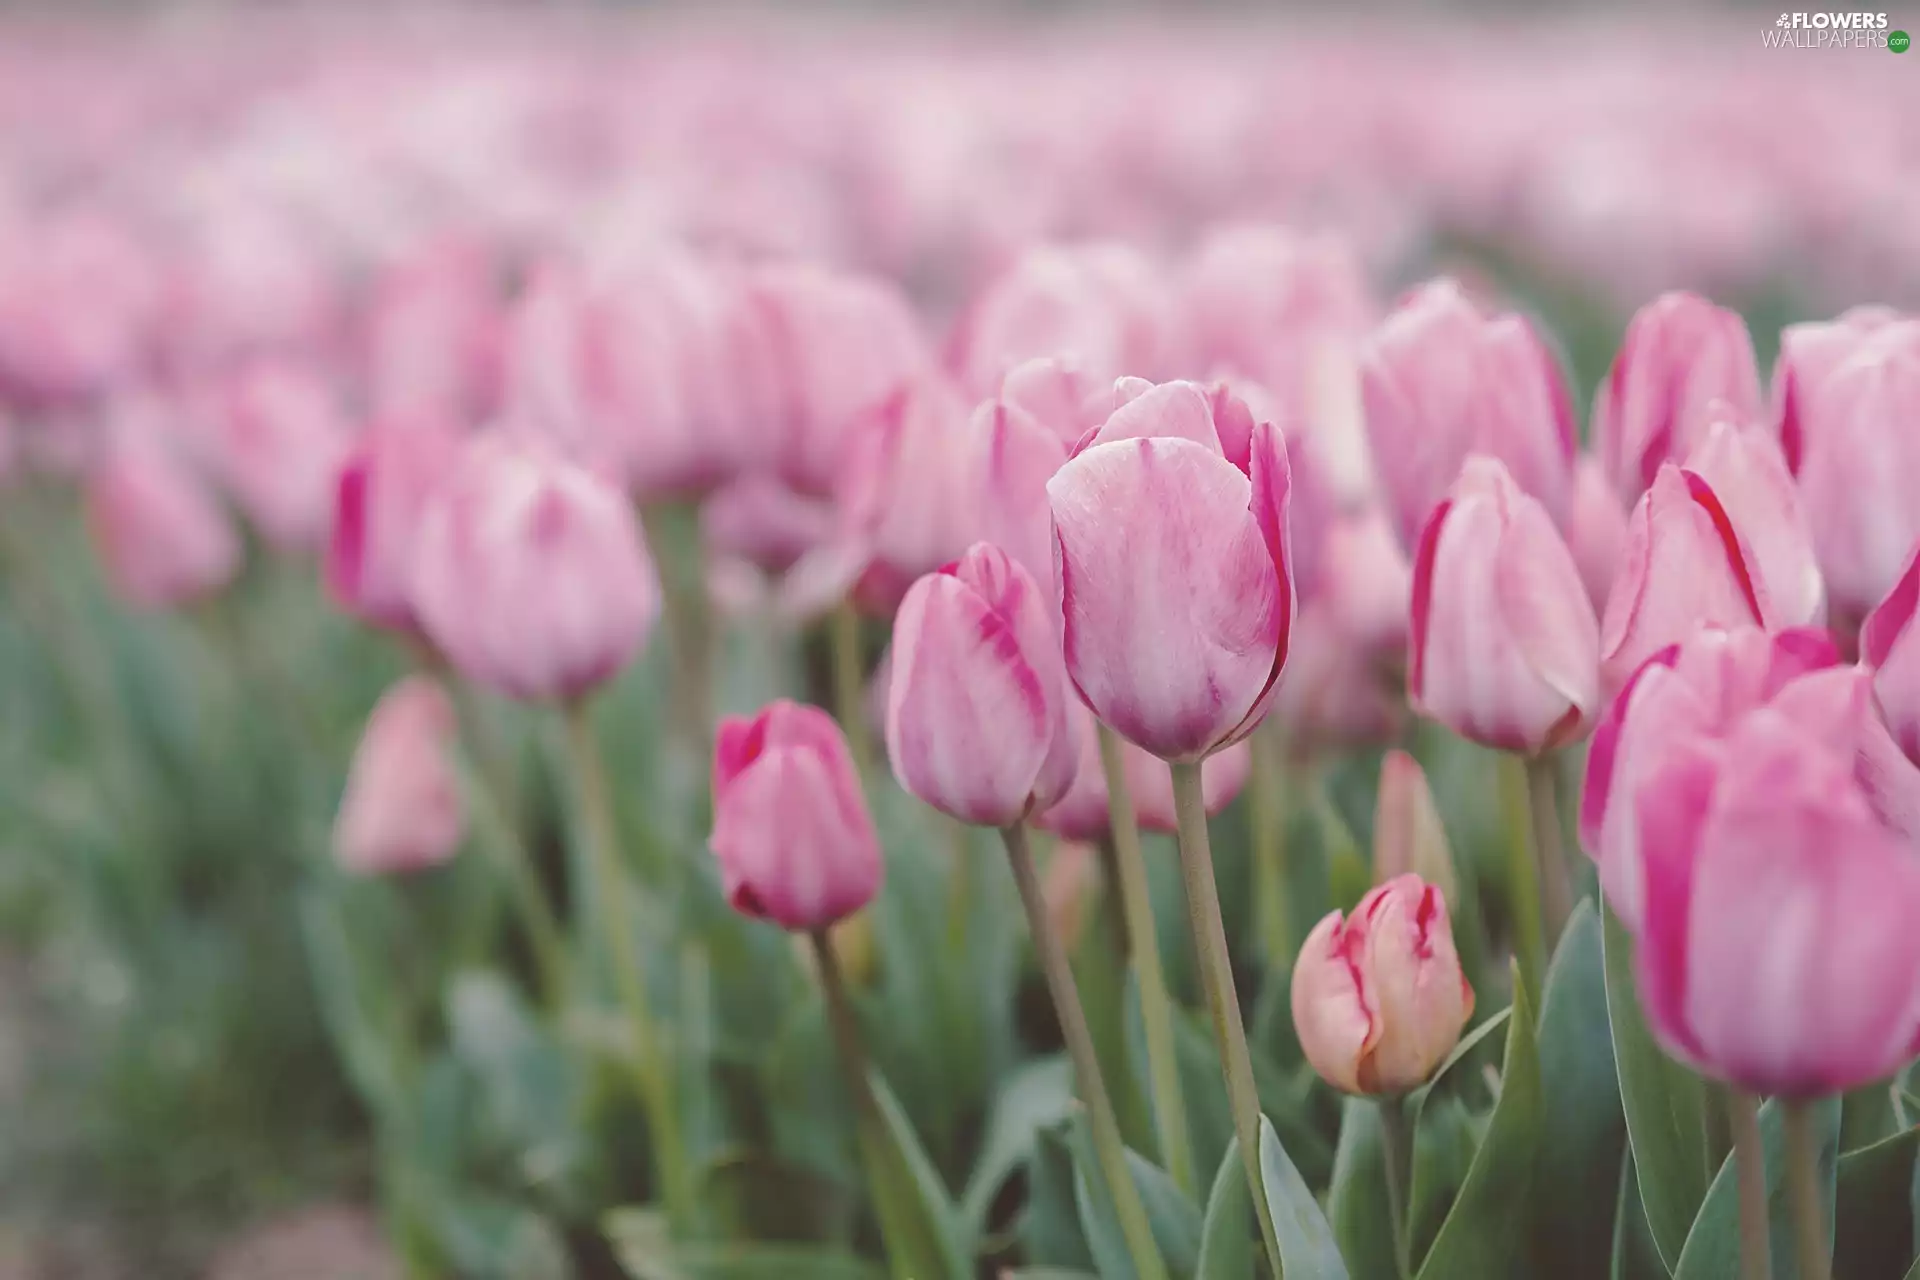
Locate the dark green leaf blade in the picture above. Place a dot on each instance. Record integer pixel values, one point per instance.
(1307, 1246)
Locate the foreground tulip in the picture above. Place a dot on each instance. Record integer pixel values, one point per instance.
(977, 714)
(1890, 646)
(402, 810)
(791, 831)
(1504, 645)
(1378, 998)
(1684, 363)
(1171, 544)
(529, 573)
(381, 491)
(1442, 382)
(1747, 472)
(160, 535)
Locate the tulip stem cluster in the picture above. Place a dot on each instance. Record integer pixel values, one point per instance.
(1750, 1166)
(1216, 973)
(1156, 1011)
(1804, 1192)
(609, 890)
(1396, 1141)
(1108, 1147)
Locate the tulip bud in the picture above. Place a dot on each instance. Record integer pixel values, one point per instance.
(790, 826)
(1408, 838)
(977, 712)
(1681, 355)
(1809, 354)
(529, 573)
(382, 488)
(1101, 305)
(1778, 950)
(1378, 998)
(403, 809)
(1441, 382)
(1174, 573)
(1504, 648)
(282, 439)
(1686, 567)
(1059, 394)
(1744, 467)
(1082, 813)
(1012, 455)
(1596, 530)
(161, 537)
(434, 333)
(1890, 647)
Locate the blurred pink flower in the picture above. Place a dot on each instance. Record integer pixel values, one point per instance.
(161, 536)
(403, 809)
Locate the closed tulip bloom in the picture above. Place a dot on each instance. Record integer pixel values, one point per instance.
(1082, 813)
(1011, 456)
(1440, 381)
(1504, 648)
(1060, 394)
(1744, 466)
(529, 572)
(791, 830)
(281, 441)
(1596, 529)
(1173, 572)
(1860, 464)
(1686, 567)
(1379, 999)
(403, 809)
(80, 299)
(1890, 647)
(1408, 837)
(433, 336)
(977, 709)
(1680, 356)
(379, 495)
(763, 521)
(1778, 950)
(1101, 305)
(1810, 352)
(161, 536)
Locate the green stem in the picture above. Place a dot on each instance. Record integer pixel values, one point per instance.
(849, 686)
(616, 929)
(1556, 889)
(1156, 1010)
(1396, 1139)
(1750, 1168)
(689, 620)
(1270, 808)
(1134, 1226)
(529, 895)
(1803, 1191)
(1523, 882)
(1216, 971)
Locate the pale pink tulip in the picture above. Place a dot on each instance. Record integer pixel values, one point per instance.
(433, 336)
(1596, 529)
(1011, 456)
(1102, 306)
(1408, 838)
(80, 303)
(761, 520)
(281, 438)
(403, 809)
(381, 491)
(1060, 394)
(1890, 647)
(1743, 465)
(161, 536)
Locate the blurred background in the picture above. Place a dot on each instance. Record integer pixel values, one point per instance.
(200, 189)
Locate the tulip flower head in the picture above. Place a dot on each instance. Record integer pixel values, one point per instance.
(379, 495)
(1596, 530)
(1379, 999)
(1890, 647)
(403, 810)
(791, 830)
(160, 534)
(1173, 570)
(1504, 648)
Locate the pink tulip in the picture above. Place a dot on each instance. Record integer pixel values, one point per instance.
(1440, 381)
(977, 710)
(1408, 838)
(403, 809)
(1859, 445)
(281, 439)
(1170, 544)
(1778, 949)
(1081, 814)
(1700, 686)
(1681, 355)
(529, 574)
(1012, 455)
(433, 336)
(1890, 647)
(1060, 394)
(1745, 468)
(249, 286)
(381, 491)
(1596, 529)
(160, 535)
(790, 826)
(1809, 353)
(1337, 695)
(1686, 567)
(1379, 999)
(80, 299)
(759, 519)
(1504, 648)
(544, 367)
(1103, 306)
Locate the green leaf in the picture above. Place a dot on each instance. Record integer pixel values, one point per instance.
(1051, 1229)
(1036, 1095)
(1634, 1255)
(917, 1216)
(1443, 1151)
(1712, 1250)
(489, 1238)
(647, 1252)
(530, 1092)
(1174, 1220)
(1047, 1273)
(1874, 1221)
(1585, 1128)
(1357, 1200)
(1226, 1234)
(1665, 1107)
(1307, 1246)
(1483, 1237)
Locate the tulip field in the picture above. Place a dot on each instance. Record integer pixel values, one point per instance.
(689, 646)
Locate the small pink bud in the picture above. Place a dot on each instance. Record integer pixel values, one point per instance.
(1408, 837)
(977, 712)
(1378, 998)
(403, 809)
(790, 826)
